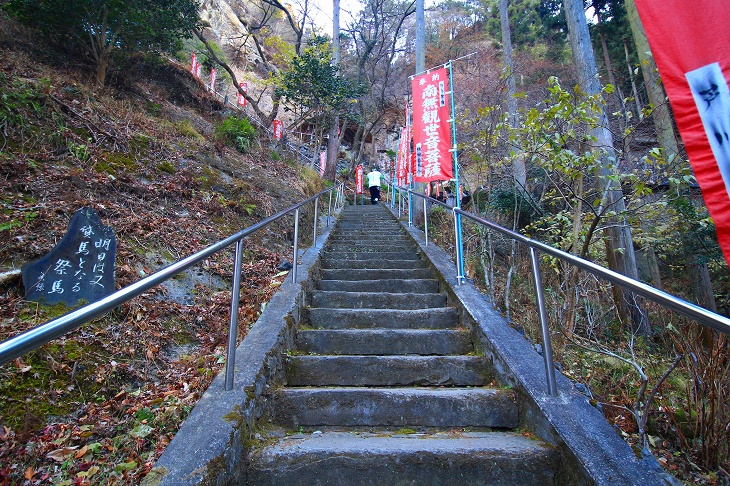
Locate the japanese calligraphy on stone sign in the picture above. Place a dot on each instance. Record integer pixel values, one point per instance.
(79, 268)
(431, 129)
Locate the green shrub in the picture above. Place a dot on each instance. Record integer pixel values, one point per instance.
(237, 131)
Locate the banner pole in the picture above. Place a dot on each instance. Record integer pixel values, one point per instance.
(410, 204)
(393, 179)
(460, 277)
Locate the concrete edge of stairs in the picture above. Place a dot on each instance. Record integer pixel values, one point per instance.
(567, 421)
(208, 448)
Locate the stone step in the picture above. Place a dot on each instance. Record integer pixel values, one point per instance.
(371, 246)
(353, 370)
(368, 300)
(396, 407)
(393, 285)
(387, 458)
(372, 264)
(384, 341)
(369, 236)
(355, 254)
(369, 274)
(323, 318)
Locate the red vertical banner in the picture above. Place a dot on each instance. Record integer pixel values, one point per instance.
(241, 99)
(193, 64)
(278, 129)
(690, 42)
(358, 180)
(198, 67)
(431, 129)
(212, 80)
(403, 158)
(322, 162)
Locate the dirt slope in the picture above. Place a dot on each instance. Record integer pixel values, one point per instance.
(99, 406)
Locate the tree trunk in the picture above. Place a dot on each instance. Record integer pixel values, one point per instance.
(637, 100)
(661, 114)
(619, 245)
(333, 140)
(651, 261)
(701, 283)
(101, 66)
(518, 164)
(611, 78)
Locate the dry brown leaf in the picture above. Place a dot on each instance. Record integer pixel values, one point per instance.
(59, 455)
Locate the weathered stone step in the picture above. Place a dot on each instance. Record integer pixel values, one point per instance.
(396, 407)
(373, 236)
(372, 246)
(354, 254)
(368, 300)
(393, 285)
(369, 274)
(387, 371)
(384, 341)
(373, 264)
(323, 318)
(377, 459)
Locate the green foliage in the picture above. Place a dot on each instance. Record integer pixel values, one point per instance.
(80, 151)
(283, 51)
(18, 97)
(97, 27)
(166, 166)
(314, 84)
(186, 128)
(534, 24)
(237, 131)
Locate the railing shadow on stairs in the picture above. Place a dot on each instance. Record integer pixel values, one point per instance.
(216, 441)
(38, 336)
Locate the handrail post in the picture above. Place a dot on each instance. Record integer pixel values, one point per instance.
(296, 245)
(547, 348)
(329, 209)
(314, 230)
(410, 206)
(460, 249)
(459, 257)
(425, 221)
(233, 328)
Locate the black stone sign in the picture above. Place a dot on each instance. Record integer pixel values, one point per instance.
(80, 267)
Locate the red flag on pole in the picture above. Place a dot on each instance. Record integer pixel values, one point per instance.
(358, 180)
(212, 80)
(241, 99)
(322, 162)
(278, 129)
(197, 69)
(403, 158)
(695, 68)
(193, 64)
(431, 129)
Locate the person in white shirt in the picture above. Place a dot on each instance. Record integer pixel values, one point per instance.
(374, 185)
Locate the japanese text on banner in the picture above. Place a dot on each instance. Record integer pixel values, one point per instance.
(431, 128)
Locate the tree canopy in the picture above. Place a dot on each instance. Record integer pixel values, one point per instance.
(98, 27)
(313, 85)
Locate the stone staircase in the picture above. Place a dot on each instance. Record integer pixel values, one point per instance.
(384, 385)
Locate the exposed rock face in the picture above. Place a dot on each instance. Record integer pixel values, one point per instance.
(224, 21)
(226, 25)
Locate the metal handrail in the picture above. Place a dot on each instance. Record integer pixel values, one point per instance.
(40, 335)
(693, 311)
